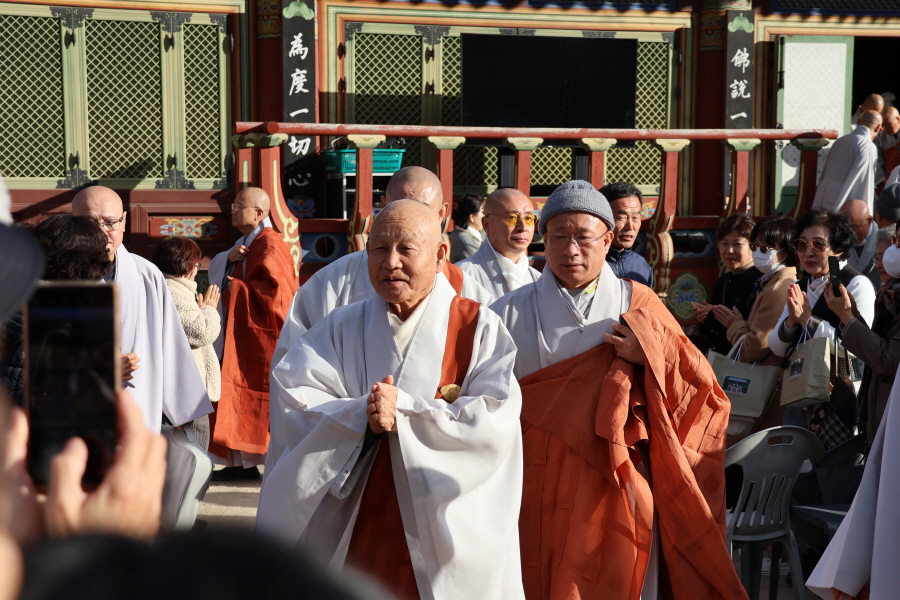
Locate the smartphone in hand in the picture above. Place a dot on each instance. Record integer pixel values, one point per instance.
(72, 375)
(834, 274)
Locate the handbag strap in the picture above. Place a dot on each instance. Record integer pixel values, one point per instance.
(735, 353)
(188, 430)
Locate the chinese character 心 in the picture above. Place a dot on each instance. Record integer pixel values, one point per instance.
(739, 89)
(298, 80)
(297, 47)
(741, 59)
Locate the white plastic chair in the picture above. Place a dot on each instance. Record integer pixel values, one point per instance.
(771, 461)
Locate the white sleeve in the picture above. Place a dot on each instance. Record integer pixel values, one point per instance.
(893, 178)
(473, 290)
(863, 293)
(778, 346)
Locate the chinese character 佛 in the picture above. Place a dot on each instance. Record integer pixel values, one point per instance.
(739, 89)
(741, 59)
(299, 145)
(297, 47)
(298, 80)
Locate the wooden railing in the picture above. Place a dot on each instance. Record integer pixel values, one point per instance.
(259, 163)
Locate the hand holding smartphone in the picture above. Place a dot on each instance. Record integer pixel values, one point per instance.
(834, 274)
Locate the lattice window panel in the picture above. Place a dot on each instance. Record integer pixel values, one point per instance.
(640, 165)
(32, 130)
(551, 166)
(124, 88)
(201, 96)
(472, 166)
(388, 84)
(860, 6)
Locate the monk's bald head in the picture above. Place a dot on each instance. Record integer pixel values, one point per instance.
(104, 206)
(891, 120)
(251, 205)
(509, 240)
(872, 120)
(421, 185)
(405, 254)
(503, 198)
(857, 214)
(873, 102)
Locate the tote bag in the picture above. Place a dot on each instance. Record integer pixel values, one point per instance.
(806, 379)
(749, 387)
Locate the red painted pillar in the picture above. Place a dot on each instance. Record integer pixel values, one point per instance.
(362, 209)
(739, 200)
(522, 161)
(445, 147)
(283, 220)
(597, 148)
(660, 250)
(809, 162)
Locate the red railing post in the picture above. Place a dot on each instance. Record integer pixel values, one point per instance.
(660, 251)
(246, 169)
(809, 163)
(523, 147)
(597, 148)
(740, 174)
(362, 206)
(283, 220)
(445, 147)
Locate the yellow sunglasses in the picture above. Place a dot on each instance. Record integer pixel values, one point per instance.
(513, 218)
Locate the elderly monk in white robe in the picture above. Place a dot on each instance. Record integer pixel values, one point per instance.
(500, 264)
(623, 428)
(850, 167)
(164, 376)
(403, 449)
(346, 281)
(861, 560)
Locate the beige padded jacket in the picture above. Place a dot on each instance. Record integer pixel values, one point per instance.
(201, 325)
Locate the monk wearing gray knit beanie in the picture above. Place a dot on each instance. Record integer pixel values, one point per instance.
(576, 196)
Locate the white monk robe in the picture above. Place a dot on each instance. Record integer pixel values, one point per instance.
(216, 276)
(167, 379)
(457, 467)
(548, 328)
(496, 273)
(342, 282)
(866, 545)
(849, 172)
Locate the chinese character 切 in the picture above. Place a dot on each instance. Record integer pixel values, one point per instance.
(299, 146)
(741, 59)
(739, 89)
(297, 47)
(298, 80)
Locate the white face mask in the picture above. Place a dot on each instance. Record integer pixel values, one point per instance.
(891, 260)
(767, 262)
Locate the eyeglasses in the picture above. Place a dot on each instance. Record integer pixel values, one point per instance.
(111, 225)
(235, 206)
(763, 249)
(818, 245)
(512, 219)
(562, 241)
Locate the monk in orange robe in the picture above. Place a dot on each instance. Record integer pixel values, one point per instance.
(623, 428)
(257, 295)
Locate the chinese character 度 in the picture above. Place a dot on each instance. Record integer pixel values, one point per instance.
(298, 81)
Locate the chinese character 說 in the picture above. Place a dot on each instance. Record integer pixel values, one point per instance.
(298, 81)
(299, 145)
(297, 47)
(739, 89)
(741, 59)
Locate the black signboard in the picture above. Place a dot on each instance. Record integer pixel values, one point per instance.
(740, 59)
(298, 42)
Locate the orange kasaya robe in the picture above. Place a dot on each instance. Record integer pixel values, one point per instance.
(256, 301)
(454, 275)
(587, 513)
(378, 543)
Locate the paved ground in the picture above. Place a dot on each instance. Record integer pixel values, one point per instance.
(233, 504)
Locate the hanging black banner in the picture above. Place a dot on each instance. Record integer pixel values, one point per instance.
(740, 58)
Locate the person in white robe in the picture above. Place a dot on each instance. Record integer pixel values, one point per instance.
(346, 280)
(165, 379)
(500, 264)
(865, 547)
(850, 167)
(457, 464)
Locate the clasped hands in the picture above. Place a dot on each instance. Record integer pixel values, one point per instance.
(798, 307)
(724, 315)
(381, 407)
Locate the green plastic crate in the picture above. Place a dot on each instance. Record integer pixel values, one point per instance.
(384, 160)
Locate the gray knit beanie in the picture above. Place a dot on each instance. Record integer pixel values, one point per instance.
(576, 196)
(888, 203)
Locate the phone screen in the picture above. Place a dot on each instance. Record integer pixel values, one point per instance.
(834, 274)
(72, 375)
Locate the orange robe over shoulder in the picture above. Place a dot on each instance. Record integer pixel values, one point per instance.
(256, 302)
(586, 523)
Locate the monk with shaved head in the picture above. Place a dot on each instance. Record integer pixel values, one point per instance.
(400, 425)
(500, 264)
(850, 167)
(258, 280)
(862, 256)
(345, 281)
(157, 362)
(887, 142)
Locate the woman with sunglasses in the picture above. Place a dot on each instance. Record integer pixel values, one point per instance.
(879, 346)
(821, 235)
(467, 234)
(734, 288)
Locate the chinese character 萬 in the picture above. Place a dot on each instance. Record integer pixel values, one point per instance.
(739, 89)
(741, 59)
(298, 80)
(297, 47)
